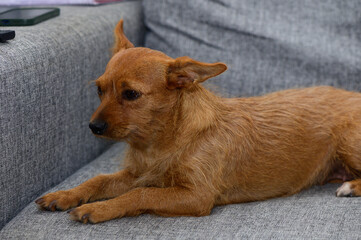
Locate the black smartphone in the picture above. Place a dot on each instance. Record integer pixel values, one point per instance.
(27, 16)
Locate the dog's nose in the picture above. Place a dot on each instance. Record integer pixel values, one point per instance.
(98, 127)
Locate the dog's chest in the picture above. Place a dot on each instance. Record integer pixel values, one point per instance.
(156, 178)
(155, 172)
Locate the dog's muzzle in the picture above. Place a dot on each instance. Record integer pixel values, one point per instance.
(98, 127)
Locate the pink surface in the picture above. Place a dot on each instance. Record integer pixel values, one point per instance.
(54, 2)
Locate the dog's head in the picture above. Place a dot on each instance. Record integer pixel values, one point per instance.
(140, 89)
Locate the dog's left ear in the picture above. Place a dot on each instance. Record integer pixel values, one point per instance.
(121, 41)
(183, 72)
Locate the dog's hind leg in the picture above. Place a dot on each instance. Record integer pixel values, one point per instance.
(350, 189)
(350, 155)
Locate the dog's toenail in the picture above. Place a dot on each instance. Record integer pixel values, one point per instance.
(52, 205)
(58, 208)
(39, 201)
(85, 218)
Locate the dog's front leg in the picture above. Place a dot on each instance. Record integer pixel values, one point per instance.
(100, 187)
(173, 201)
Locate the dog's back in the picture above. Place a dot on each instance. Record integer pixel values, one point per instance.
(292, 139)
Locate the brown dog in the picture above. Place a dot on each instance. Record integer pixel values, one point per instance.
(191, 150)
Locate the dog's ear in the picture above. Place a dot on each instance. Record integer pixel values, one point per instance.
(121, 41)
(183, 72)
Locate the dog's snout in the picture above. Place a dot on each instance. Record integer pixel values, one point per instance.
(98, 127)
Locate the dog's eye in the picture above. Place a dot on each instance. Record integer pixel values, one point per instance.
(100, 91)
(130, 95)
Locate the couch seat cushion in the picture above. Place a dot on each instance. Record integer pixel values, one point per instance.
(315, 213)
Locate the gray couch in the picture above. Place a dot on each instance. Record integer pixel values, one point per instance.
(46, 102)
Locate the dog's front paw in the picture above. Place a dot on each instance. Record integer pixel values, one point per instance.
(60, 200)
(95, 212)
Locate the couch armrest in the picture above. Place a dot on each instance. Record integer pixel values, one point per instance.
(46, 101)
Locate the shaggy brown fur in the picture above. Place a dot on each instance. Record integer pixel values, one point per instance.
(191, 150)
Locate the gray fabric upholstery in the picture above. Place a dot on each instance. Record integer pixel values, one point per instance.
(46, 101)
(312, 214)
(267, 44)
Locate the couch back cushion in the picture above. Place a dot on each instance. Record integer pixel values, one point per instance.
(268, 45)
